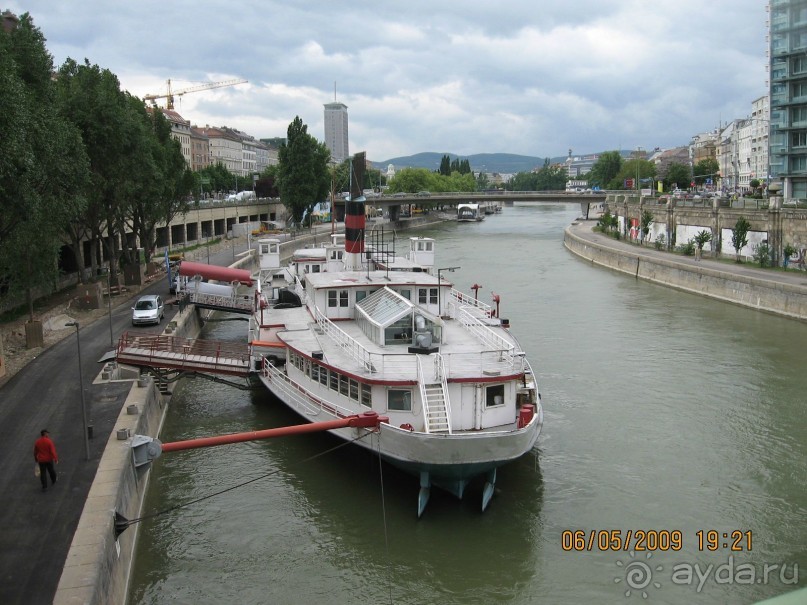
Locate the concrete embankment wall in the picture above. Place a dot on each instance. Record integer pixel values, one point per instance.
(757, 293)
(97, 567)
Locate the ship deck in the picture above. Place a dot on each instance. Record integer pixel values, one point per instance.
(464, 356)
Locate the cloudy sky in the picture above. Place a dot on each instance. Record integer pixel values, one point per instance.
(516, 76)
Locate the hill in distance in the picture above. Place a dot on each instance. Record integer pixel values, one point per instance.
(505, 163)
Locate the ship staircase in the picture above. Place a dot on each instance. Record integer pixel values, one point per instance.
(166, 356)
(434, 394)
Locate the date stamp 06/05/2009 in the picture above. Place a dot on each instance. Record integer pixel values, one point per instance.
(618, 540)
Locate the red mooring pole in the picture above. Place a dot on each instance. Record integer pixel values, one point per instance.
(364, 420)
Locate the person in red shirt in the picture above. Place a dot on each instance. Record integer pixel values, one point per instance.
(45, 455)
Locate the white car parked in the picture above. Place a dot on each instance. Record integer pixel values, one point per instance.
(148, 310)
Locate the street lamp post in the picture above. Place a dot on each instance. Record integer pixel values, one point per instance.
(440, 284)
(85, 428)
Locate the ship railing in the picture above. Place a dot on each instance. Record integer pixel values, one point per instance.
(218, 300)
(424, 397)
(351, 346)
(461, 299)
(484, 334)
(159, 347)
(488, 363)
(298, 397)
(299, 289)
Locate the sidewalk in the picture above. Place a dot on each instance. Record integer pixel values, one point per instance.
(45, 392)
(779, 292)
(795, 277)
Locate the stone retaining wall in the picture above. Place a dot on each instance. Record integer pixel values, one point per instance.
(774, 297)
(97, 568)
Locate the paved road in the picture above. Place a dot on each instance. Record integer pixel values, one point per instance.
(36, 527)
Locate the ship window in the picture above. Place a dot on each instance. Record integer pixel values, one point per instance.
(407, 294)
(343, 298)
(323, 376)
(366, 395)
(315, 372)
(494, 396)
(343, 380)
(354, 390)
(314, 268)
(427, 295)
(331, 298)
(306, 367)
(399, 400)
(334, 381)
(361, 295)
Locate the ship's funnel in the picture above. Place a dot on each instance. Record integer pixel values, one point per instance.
(354, 233)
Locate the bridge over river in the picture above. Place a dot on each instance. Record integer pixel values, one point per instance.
(393, 203)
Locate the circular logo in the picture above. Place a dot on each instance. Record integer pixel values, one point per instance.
(638, 575)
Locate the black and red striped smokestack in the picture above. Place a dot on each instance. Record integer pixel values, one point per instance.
(354, 216)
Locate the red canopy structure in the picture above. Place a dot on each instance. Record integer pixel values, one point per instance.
(224, 274)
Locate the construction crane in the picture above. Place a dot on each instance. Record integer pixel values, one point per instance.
(169, 96)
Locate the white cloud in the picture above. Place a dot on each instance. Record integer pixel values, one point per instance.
(471, 77)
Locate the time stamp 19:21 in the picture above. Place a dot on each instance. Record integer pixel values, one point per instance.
(618, 540)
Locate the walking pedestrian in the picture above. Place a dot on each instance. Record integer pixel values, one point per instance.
(46, 456)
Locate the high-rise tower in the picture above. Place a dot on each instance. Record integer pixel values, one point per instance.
(336, 139)
(788, 88)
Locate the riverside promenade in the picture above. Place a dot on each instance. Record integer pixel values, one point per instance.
(773, 291)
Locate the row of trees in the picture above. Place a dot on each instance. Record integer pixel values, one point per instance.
(79, 158)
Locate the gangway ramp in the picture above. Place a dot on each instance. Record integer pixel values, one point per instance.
(215, 302)
(183, 354)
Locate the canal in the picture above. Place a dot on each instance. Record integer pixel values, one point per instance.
(666, 415)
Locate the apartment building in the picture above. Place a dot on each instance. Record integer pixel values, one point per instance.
(787, 21)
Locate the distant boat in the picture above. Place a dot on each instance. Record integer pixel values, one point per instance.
(469, 213)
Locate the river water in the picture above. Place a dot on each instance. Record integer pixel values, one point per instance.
(664, 412)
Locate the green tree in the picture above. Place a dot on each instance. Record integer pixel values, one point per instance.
(218, 177)
(461, 166)
(705, 169)
(482, 181)
(633, 169)
(702, 238)
(411, 180)
(678, 175)
(445, 166)
(739, 236)
(43, 166)
(788, 251)
(161, 183)
(91, 98)
(646, 219)
(605, 169)
(303, 176)
(551, 178)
